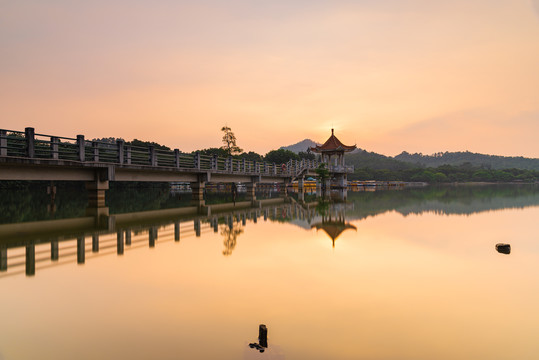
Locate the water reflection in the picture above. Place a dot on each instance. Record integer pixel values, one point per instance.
(160, 282)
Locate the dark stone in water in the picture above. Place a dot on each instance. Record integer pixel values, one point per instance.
(503, 248)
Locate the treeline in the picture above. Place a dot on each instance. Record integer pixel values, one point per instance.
(279, 156)
(457, 158)
(446, 174)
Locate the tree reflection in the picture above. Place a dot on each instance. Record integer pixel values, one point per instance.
(230, 233)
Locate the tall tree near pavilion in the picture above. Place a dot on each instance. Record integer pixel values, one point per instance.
(229, 142)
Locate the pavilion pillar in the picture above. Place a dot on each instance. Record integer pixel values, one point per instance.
(300, 184)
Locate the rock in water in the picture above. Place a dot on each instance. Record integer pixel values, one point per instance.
(503, 248)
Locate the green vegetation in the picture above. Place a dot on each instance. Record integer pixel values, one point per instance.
(446, 174)
(461, 157)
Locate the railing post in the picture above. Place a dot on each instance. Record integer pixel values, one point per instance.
(30, 140)
(196, 160)
(120, 146)
(177, 158)
(243, 165)
(265, 167)
(3, 143)
(80, 147)
(153, 159)
(229, 164)
(214, 161)
(128, 154)
(274, 169)
(54, 147)
(95, 148)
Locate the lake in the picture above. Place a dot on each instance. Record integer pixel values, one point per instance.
(396, 274)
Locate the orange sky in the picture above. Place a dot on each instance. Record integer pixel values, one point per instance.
(389, 75)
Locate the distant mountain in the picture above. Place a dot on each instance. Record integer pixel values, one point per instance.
(300, 146)
(363, 159)
(474, 159)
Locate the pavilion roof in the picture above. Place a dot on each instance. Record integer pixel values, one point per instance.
(333, 228)
(333, 144)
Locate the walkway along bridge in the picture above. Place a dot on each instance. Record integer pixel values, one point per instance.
(31, 156)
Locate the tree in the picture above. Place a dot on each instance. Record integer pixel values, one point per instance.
(280, 156)
(323, 175)
(229, 141)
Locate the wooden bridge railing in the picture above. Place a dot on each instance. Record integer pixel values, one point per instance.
(28, 144)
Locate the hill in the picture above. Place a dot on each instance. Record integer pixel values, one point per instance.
(300, 146)
(475, 159)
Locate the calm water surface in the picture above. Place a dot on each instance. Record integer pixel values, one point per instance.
(409, 274)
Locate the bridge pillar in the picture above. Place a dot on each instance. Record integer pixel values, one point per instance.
(251, 188)
(152, 236)
(197, 189)
(120, 242)
(196, 225)
(96, 193)
(128, 237)
(81, 256)
(95, 243)
(342, 181)
(29, 134)
(300, 184)
(54, 251)
(3, 143)
(3, 259)
(30, 260)
(177, 231)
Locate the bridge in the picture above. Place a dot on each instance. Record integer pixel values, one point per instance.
(31, 156)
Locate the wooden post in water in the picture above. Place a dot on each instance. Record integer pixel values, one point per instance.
(29, 134)
(263, 335)
(80, 148)
(54, 147)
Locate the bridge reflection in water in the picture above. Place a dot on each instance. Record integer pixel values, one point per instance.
(47, 243)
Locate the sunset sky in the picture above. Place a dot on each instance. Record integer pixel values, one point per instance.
(389, 75)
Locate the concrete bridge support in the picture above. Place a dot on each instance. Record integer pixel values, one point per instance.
(197, 189)
(96, 193)
(81, 256)
(54, 251)
(30, 260)
(120, 242)
(3, 259)
(251, 188)
(152, 236)
(95, 243)
(177, 231)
